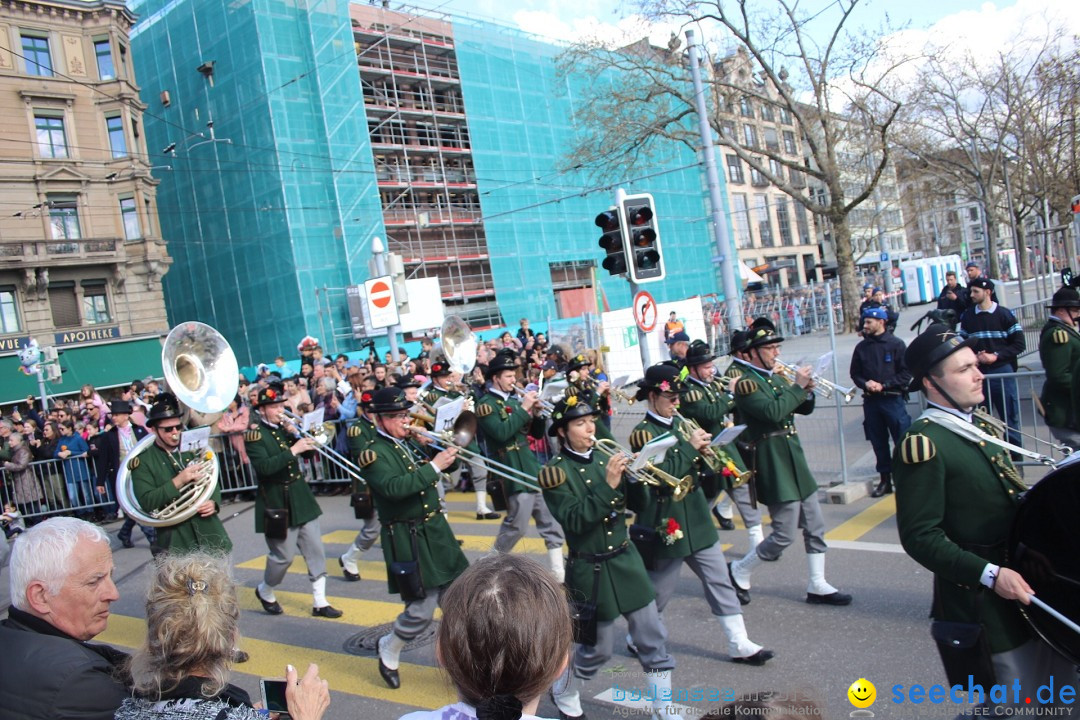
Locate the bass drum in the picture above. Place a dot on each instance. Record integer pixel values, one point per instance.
(1044, 547)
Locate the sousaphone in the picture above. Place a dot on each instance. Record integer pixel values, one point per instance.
(201, 370)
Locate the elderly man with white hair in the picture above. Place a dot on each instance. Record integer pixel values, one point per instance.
(61, 590)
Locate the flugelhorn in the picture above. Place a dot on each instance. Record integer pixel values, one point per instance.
(650, 474)
(823, 386)
(712, 460)
(201, 370)
(591, 383)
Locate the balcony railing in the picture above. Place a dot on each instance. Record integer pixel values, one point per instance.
(61, 251)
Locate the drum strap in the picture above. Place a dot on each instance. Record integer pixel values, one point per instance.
(968, 431)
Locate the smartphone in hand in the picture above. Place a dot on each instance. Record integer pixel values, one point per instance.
(273, 696)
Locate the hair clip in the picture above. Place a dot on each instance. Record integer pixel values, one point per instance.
(197, 586)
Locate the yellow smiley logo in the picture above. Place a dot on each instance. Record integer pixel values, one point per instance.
(862, 693)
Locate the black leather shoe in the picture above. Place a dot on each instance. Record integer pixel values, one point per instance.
(390, 677)
(725, 523)
(758, 659)
(488, 516)
(274, 608)
(350, 576)
(239, 656)
(631, 648)
(740, 592)
(126, 542)
(834, 598)
(884, 486)
(326, 611)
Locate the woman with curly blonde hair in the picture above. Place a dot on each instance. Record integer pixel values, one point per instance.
(182, 670)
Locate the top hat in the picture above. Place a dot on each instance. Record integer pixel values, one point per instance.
(120, 407)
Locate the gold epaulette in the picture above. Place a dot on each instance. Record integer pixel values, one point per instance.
(734, 372)
(1059, 336)
(746, 386)
(366, 458)
(355, 431)
(483, 410)
(253, 435)
(692, 396)
(572, 390)
(551, 477)
(917, 449)
(639, 438)
(133, 463)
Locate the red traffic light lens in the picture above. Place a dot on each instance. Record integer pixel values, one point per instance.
(608, 220)
(644, 238)
(639, 215)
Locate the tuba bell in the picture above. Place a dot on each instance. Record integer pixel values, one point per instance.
(201, 370)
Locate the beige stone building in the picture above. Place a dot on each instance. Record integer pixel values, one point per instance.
(772, 231)
(81, 252)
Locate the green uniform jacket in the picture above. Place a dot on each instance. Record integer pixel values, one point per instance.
(152, 472)
(506, 425)
(709, 406)
(767, 404)
(281, 484)
(591, 514)
(955, 502)
(589, 396)
(654, 505)
(1059, 350)
(406, 498)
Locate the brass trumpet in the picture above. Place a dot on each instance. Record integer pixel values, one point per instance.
(823, 387)
(650, 474)
(591, 383)
(714, 462)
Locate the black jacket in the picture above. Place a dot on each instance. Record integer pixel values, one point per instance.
(105, 449)
(959, 305)
(881, 358)
(47, 675)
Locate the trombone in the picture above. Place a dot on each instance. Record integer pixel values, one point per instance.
(323, 437)
(460, 435)
(650, 474)
(823, 386)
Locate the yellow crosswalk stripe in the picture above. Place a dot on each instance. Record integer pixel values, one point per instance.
(855, 527)
(364, 613)
(427, 686)
(479, 543)
(369, 569)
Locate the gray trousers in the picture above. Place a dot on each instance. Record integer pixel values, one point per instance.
(786, 518)
(1033, 663)
(519, 508)
(308, 538)
(368, 534)
(477, 470)
(710, 566)
(1067, 437)
(648, 634)
(741, 496)
(418, 614)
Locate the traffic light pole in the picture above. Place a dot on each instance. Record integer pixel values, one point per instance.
(642, 336)
(724, 252)
(378, 251)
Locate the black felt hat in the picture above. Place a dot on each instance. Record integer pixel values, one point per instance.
(761, 334)
(503, 360)
(698, 353)
(1065, 297)
(935, 344)
(389, 400)
(165, 406)
(664, 377)
(566, 410)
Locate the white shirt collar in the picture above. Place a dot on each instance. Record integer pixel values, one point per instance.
(952, 411)
(666, 422)
(993, 307)
(754, 367)
(500, 393)
(587, 455)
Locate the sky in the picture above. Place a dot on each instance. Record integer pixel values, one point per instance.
(977, 24)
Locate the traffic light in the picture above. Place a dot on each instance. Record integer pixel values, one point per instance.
(643, 239)
(612, 241)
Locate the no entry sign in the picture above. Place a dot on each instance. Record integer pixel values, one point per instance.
(381, 304)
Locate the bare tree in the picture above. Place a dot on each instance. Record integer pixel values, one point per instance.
(827, 77)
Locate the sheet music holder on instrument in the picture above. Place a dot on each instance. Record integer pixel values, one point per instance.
(727, 436)
(653, 451)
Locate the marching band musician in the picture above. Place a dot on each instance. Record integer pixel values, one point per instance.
(360, 434)
(587, 494)
(956, 498)
(766, 403)
(443, 385)
(704, 401)
(683, 530)
(505, 422)
(274, 450)
(158, 474)
(422, 556)
(723, 508)
(595, 393)
(1059, 350)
